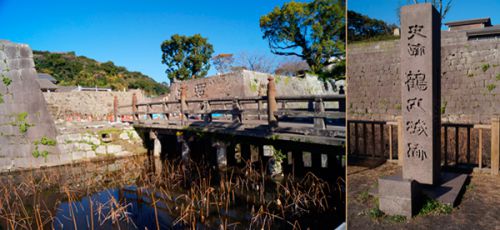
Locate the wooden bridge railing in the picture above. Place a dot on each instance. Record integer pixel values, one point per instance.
(321, 110)
(382, 139)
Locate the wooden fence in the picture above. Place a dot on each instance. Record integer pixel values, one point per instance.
(461, 144)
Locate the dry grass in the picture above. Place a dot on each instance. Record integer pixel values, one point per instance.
(190, 191)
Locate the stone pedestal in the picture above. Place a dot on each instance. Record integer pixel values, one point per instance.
(398, 196)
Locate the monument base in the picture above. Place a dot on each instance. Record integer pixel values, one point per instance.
(398, 196)
(449, 189)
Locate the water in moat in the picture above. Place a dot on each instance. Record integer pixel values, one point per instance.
(147, 193)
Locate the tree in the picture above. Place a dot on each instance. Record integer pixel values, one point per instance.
(361, 27)
(255, 62)
(292, 68)
(312, 31)
(70, 69)
(186, 57)
(223, 63)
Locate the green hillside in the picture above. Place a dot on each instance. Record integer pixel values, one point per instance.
(70, 69)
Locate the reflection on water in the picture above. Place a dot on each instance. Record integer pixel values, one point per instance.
(145, 193)
(129, 208)
(132, 211)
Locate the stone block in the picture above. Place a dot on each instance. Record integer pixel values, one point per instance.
(66, 147)
(25, 51)
(95, 141)
(78, 155)
(13, 64)
(86, 137)
(113, 149)
(52, 160)
(11, 51)
(84, 147)
(74, 137)
(6, 164)
(65, 158)
(61, 138)
(91, 154)
(123, 153)
(124, 136)
(398, 196)
(101, 149)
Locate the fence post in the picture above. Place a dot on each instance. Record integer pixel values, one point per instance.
(271, 103)
(480, 149)
(390, 142)
(134, 107)
(400, 140)
(495, 145)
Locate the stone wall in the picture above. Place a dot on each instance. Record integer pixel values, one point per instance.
(29, 138)
(84, 141)
(246, 83)
(87, 105)
(470, 79)
(27, 131)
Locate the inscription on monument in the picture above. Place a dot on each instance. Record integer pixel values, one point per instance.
(420, 83)
(199, 89)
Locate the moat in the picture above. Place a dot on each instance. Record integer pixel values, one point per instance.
(143, 192)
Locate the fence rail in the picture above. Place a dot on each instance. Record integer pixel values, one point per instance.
(461, 144)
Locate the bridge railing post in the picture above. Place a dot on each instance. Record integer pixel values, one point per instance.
(164, 106)
(272, 106)
(149, 112)
(115, 108)
(207, 115)
(134, 107)
(261, 93)
(342, 101)
(183, 105)
(236, 112)
(319, 108)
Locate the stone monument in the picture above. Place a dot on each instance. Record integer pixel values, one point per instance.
(420, 71)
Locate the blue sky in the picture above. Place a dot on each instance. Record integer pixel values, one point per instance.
(129, 32)
(460, 9)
